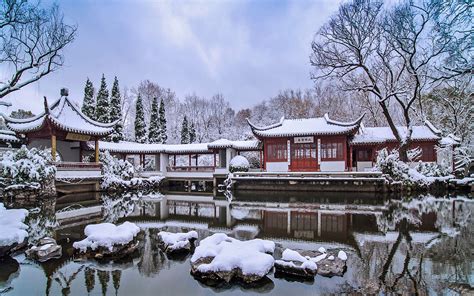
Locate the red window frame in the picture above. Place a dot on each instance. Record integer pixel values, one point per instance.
(332, 149)
(276, 150)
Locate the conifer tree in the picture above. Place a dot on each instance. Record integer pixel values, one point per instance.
(185, 131)
(162, 123)
(116, 112)
(192, 133)
(88, 104)
(140, 125)
(102, 110)
(154, 135)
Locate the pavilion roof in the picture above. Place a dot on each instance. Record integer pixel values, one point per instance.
(306, 127)
(380, 135)
(8, 136)
(63, 115)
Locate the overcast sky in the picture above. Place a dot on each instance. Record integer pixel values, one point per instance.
(246, 50)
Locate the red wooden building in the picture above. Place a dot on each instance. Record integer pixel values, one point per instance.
(323, 144)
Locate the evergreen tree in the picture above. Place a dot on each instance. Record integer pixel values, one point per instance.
(88, 104)
(116, 112)
(185, 131)
(102, 110)
(162, 123)
(154, 135)
(140, 125)
(192, 133)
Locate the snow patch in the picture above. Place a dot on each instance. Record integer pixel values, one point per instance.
(12, 228)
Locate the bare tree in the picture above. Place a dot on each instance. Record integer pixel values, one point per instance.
(32, 40)
(386, 53)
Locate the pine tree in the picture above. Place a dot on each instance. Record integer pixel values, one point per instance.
(140, 125)
(192, 133)
(154, 135)
(102, 110)
(116, 112)
(185, 131)
(88, 104)
(162, 123)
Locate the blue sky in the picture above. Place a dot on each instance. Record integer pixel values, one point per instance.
(246, 50)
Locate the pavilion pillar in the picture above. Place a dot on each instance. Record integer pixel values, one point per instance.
(96, 142)
(189, 160)
(350, 158)
(197, 156)
(174, 160)
(215, 160)
(53, 147)
(261, 159)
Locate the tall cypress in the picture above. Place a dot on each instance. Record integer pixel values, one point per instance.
(88, 104)
(102, 110)
(116, 112)
(162, 123)
(154, 135)
(140, 125)
(192, 133)
(184, 131)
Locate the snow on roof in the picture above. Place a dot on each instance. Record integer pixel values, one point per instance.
(371, 135)
(306, 126)
(133, 147)
(66, 116)
(450, 140)
(238, 145)
(7, 136)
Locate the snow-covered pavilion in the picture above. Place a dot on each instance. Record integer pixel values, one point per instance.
(62, 127)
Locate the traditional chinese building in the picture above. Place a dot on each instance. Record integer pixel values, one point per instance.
(64, 129)
(324, 144)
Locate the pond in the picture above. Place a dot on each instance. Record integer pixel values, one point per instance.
(419, 245)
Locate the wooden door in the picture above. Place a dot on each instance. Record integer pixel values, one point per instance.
(304, 157)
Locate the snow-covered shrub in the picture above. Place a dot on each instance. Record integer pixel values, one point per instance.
(26, 168)
(388, 162)
(431, 169)
(239, 164)
(463, 156)
(114, 170)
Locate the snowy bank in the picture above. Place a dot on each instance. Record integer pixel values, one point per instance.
(177, 242)
(220, 257)
(107, 239)
(13, 234)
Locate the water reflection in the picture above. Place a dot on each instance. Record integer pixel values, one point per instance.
(415, 246)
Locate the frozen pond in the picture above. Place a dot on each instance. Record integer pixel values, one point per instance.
(421, 246)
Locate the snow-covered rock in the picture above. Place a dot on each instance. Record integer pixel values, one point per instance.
(13, 234)
(107, 239)
(177, 242)
(46, 249)
(342, 255)
(220, 257)
(293, 263)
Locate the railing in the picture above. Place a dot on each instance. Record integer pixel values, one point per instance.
(303, 175)
(190, 168)
(69, 165)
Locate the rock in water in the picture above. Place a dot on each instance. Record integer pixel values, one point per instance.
(223, 258)
(46, 249)
(106, 240)
(174, 243)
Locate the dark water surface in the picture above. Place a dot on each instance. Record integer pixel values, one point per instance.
(422, 245)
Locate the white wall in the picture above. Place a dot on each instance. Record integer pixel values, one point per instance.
(164, 161)
(363, 166)
(333, 166)
(277, 166)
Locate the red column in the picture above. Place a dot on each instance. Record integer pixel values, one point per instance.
(350, 158)
(215, 160)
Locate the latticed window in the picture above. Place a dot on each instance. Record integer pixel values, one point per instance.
(332, 150)
(277, 151)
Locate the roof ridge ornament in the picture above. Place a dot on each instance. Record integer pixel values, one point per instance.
(340, 123)
(46, 107)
